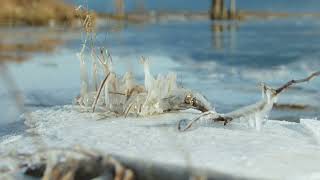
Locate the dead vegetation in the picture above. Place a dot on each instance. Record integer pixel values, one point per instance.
(37, 12)
(67, 164)
(42, 45)
(19, 52)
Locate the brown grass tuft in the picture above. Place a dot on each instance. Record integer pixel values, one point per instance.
(37, 12)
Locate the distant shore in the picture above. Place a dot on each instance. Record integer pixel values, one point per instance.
(154, 16)
(38, 13)
(56, 12)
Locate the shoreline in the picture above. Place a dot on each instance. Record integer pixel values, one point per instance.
(39, 13)
(65, 14)
(156, 16)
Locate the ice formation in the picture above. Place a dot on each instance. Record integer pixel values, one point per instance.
(257, 113)
(122, 95)
(254, 115)
(83, 77)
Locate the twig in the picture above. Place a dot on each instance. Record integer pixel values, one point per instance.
(292, 82)
(99, 92)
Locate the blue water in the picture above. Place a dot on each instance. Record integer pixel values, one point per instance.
(226, 61)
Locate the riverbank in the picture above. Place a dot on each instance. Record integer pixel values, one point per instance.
(38, 13)
(52, 12)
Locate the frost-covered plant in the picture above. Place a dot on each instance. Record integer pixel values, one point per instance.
(122, 95)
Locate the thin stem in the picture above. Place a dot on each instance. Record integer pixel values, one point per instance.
(99, 92)
(219, 118)
(126, 112)
(191, 122)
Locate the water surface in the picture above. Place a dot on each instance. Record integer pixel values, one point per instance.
(223, 60)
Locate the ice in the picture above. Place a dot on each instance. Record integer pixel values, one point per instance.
(313, 126)
(257, 113)
(281, 150)
(122, 95)
(83, 73)
(149, 80)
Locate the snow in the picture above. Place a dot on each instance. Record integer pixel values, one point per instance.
(280, 150)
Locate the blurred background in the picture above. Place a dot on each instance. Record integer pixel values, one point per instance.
(222, 48)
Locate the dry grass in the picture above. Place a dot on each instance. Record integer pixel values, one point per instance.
(37, 12)
(43, 45)
(20, 51)
(13, 58)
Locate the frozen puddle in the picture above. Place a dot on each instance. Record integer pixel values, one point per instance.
(281, 150)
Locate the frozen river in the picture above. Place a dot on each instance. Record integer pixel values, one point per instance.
(224, 61)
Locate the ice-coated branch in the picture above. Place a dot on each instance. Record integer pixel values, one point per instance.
(217, 117)
(263, 107)
(292, 82)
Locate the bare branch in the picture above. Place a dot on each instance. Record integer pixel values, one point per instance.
(292, 82)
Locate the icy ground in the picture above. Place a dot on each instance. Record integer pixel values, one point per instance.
(281, 150)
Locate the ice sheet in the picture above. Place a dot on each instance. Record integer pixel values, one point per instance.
(313, 126)
(281, 150)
